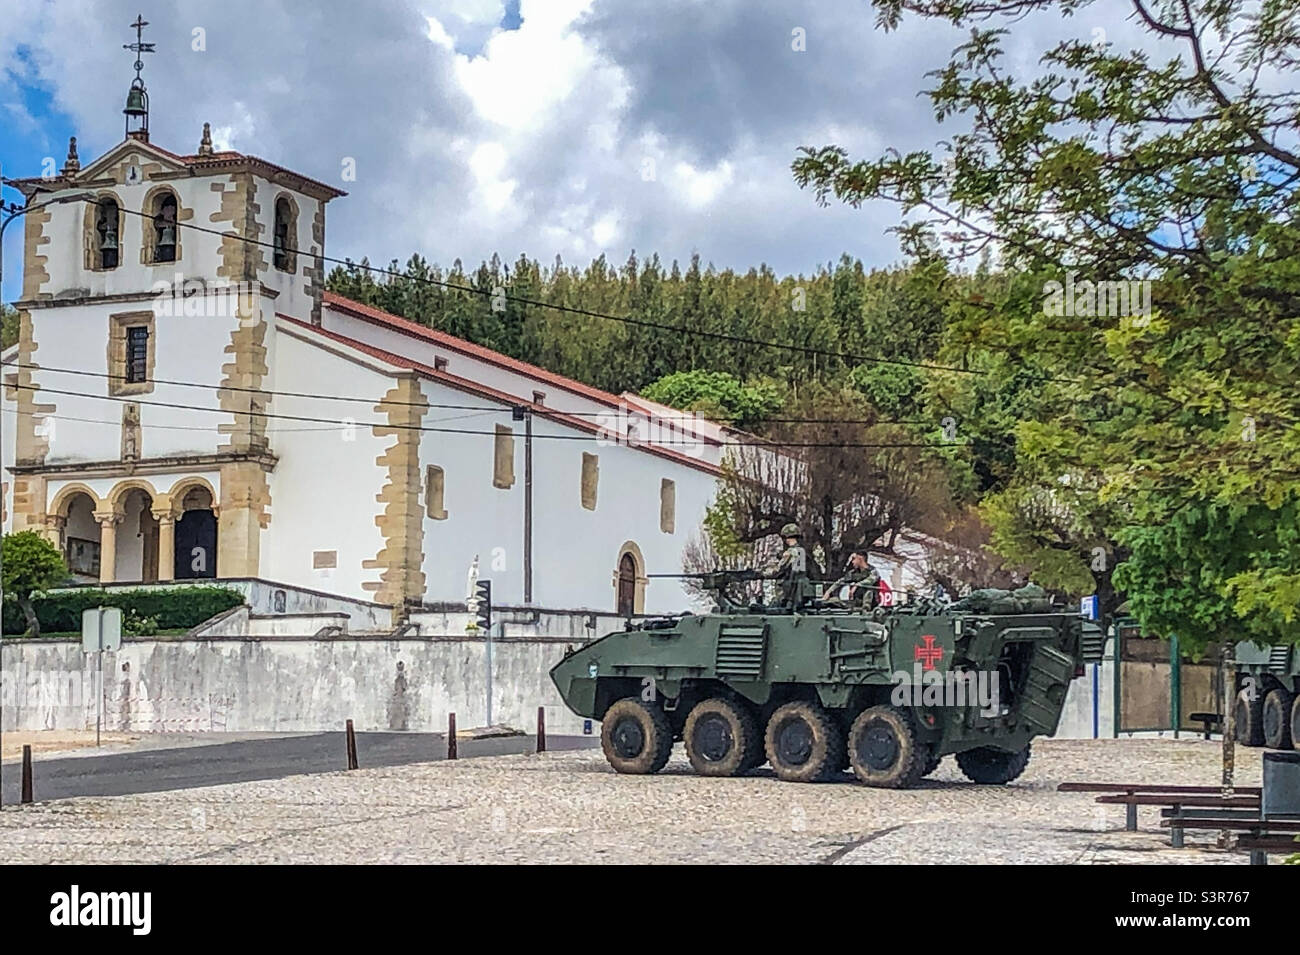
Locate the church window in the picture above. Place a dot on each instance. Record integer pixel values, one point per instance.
(503, 458)
(137, 354)
(667, 505)
(131, 353)
(107, 227)
(434, 486)
(590, 478)
(285, 235)
(164, 229)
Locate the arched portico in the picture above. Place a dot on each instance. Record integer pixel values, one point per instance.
(72, 527)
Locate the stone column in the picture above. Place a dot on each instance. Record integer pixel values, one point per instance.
(54, 527)
(166, 544)
(108, 522)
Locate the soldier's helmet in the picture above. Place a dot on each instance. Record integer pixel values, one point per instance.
(791, 530)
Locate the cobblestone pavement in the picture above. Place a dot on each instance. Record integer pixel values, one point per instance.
(571, 807)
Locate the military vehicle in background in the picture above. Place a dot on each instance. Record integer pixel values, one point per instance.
(823, 688)
(1268, 696)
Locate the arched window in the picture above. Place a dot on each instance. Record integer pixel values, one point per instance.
(285, 235)
(164, 229)
(106, 234)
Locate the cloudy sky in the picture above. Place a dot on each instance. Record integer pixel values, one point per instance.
(569, 127)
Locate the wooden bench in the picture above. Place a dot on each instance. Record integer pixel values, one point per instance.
(1132, 795)
(1206, 720)
(1259, 836)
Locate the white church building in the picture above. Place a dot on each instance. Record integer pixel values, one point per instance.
(186, 400)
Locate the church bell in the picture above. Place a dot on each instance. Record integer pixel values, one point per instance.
(137, 102)
(137, 108)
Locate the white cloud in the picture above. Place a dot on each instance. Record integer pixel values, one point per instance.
(470, 139)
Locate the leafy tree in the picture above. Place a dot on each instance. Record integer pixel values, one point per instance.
(1158, 418)
(30, 564)
(716, 395)
(8, 325)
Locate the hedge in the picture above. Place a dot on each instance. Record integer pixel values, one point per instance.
(175, 608)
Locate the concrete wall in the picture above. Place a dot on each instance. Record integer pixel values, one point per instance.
(283, 684)
(290, 683)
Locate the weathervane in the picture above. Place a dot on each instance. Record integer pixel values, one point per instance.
(137, 98)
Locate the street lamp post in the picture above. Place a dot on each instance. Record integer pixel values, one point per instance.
(10, 212)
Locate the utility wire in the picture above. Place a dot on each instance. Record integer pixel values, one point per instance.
(591, 313)
(615, 439)
(680, 416)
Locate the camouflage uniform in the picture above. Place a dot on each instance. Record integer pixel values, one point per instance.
(791, 569)
(864, 586)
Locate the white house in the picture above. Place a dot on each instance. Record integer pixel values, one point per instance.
(186, 400)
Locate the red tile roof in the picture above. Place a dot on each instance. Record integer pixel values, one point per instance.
(485, 391)
(452, 343)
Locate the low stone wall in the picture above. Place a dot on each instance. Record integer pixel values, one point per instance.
(295, 683)
(286, 684)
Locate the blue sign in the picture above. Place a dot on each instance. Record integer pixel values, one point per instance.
(1090, 607)
(586, 727)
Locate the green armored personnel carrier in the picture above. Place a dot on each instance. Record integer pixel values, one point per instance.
(1268, 696)
(816, 690)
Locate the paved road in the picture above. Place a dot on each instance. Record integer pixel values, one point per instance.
(149, 770)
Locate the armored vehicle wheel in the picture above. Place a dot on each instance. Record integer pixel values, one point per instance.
(721, 738)
(883, 748)
(1249, 719)
(802, 743)
(1275, 718)
(993, 766)
(1295, 723)
(636, 736)
(931, 764)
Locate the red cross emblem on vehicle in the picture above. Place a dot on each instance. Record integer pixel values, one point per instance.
(928, 653)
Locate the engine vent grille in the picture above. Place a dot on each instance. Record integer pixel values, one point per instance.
(1279, 658)
(740, 652)
(1092, 645)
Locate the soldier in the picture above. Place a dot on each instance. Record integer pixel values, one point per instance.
(863, 581)
(792, 568)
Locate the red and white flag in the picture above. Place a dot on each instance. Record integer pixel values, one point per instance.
(886, 594)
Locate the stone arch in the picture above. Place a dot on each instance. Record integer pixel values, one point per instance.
(630, 580)
(90, 231)
(72, 527)
(152, 208)
(63, 498)
(189, 535)
(183, 487)
(113, 500)
(284, 229)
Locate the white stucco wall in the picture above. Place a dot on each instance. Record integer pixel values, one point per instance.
(575, 551)
(323, 488)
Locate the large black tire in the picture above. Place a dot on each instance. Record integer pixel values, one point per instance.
(884, 750)
(1249, 719)
(802, 743)
(1275, 718)
(721, 737)
(635, 736)
(992, 767)
(1295, 723)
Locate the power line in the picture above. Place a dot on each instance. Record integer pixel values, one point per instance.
(806, 350)
(614, 439)
(681, 416)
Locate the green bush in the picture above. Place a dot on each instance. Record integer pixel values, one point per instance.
(177, 608)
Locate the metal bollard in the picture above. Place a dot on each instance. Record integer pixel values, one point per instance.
(352, 747)
(541, 729)
(451, 735)
(27, 774)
